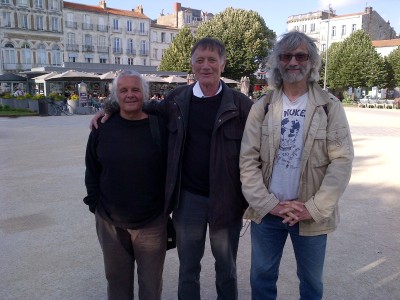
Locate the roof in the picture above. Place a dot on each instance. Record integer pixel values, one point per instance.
(386, 43)
(106, 10)
(9, 77)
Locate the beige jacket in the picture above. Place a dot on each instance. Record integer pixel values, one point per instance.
(326, 160)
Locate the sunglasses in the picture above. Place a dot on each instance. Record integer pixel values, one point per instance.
(300, 57)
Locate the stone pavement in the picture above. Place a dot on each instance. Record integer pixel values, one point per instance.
(49, 249)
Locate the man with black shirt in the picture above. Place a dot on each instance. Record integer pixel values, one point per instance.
(125, 181)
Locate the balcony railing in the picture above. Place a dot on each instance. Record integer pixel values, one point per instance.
(130, 51)
(86, 26)
(117, 50)
(87, 48)
(143, 32)
(72, 47)
(102, 28)
(143, 52)
(102, 49)
(70, 24)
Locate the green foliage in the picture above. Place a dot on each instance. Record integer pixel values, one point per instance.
(393, 60)
(56, 97)
(355, 62)
(37, 97)
(246, 37)
(74, 97)
(177, 56)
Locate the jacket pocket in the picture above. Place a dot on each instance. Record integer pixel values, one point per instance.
(337, 138)
(233, 138)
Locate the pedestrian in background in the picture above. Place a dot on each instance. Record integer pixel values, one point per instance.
(295, 163)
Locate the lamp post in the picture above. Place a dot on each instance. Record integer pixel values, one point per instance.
(326, 51)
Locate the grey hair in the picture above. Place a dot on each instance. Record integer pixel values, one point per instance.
(290, 41)
(209, 43)
(129, 73)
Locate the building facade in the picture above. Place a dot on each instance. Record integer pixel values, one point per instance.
(326, 27)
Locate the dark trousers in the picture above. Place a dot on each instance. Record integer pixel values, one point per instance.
(122, 248)
(190, 220)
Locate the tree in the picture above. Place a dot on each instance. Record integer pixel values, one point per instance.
(394, 61)
(246, 37)
(355, 62)
(177, 56)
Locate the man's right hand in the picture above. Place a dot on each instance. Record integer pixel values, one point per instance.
(100, 114)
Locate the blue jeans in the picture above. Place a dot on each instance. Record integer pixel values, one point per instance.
(190, 220)
(268, 240)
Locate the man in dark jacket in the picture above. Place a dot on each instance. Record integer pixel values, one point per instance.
(205, 123)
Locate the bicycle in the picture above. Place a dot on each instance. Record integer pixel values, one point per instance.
(55, 109)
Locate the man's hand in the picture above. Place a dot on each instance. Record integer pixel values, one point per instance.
(100, 114)
(291, 211)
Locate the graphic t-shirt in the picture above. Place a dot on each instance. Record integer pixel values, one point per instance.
(286, 171)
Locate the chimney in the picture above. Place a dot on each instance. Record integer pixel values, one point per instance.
(177, 7)
(102, 4)
(139, 9)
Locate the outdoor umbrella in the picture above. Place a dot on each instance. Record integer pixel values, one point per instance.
(72, 75)
(175, 79)
(153, 78)
(227, 80)
(44, 77)
(110, 75)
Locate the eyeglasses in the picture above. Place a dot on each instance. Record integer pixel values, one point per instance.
(300, 57)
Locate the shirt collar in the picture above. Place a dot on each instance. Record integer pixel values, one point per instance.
(199, 93)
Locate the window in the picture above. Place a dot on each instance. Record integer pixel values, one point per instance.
(54, 23)
(304, 28)
(188, 19)
(72, 58)
(155, 53)
(115, 24)
(323, 47)
(142, 27)
(88, 59)
(103, 60)
(26, 56)
(131, 47)
(130, 61)
(24, 21)
(9, 56)
(39, 22)
(343, 30)
(117, 45)
(353, 27)
(56, 56)
(41, 55)
(38, 3)
(333, 30)
(22, 2)
(87, 43)
(53, 4)
(117, 60)
(154, 36)
(71, 38)
(5, 1)
(6, 19)
(129, 26)
(163, 37)
(312, 29)
(171, 37)
(102, 41)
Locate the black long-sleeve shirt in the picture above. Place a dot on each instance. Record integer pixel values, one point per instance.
(124, 174)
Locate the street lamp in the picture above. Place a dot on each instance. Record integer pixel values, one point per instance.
(326, 51)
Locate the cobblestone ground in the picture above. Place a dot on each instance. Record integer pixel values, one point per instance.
(49, 249)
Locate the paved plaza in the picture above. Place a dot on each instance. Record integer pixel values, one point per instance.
(48, 244)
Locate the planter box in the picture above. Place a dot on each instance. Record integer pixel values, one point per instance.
(33, 105)
(8, 102)
(21, 103)
(83, 110)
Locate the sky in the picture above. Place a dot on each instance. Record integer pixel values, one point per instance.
(275, 15)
